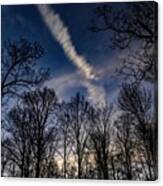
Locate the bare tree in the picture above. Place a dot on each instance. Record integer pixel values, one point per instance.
(50, 168)
(5, 158)
(136, 26)
(32, 133)
(78, 113)
(138, 22)
(41, 104)
(125, 136)
(19, 67)
(66, 139)
(19, 72)
(100, 134)
(137, 102)
(17, 142)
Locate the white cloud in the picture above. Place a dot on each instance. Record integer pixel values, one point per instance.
(62, 36)
(104, 69)
(65, 82)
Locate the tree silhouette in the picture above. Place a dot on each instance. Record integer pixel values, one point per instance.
(78, 113)
(139, 22)
(74, 139)
(66, 140)
(125, 127)
(137, 102)
(100, 134)
(136, 26)
(19, 64)
(32, 133)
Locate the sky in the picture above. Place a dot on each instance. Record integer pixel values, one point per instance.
(25, 21)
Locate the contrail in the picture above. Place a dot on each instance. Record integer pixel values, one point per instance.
(97, 94)
(61, 34)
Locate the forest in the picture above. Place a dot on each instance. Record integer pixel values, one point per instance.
(43, 136)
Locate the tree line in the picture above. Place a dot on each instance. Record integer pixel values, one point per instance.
(87, 141)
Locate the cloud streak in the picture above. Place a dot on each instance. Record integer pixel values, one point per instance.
(60, 32)
(67, 81)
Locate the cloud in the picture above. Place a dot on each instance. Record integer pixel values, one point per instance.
(68, 81)
(62, 83)
(62, 36)
(104, 69)
(96, 91)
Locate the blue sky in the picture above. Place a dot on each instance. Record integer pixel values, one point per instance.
(26, 22)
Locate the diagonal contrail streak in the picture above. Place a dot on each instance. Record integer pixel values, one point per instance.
(60, 32)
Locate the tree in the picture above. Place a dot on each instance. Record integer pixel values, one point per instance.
(139, 22)
(42, 104)
(20, 71)
(134, 27)
(78, 114)
(5, 158)
(125, 138)
(17, 143)
(137, 102)
(50, 168)
(32, 133)
(100, 135)
(19, 67)
(66, 139)
(131, 24)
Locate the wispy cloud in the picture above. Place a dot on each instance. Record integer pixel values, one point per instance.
(62, 36)
(62, 83)
(68, 81)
